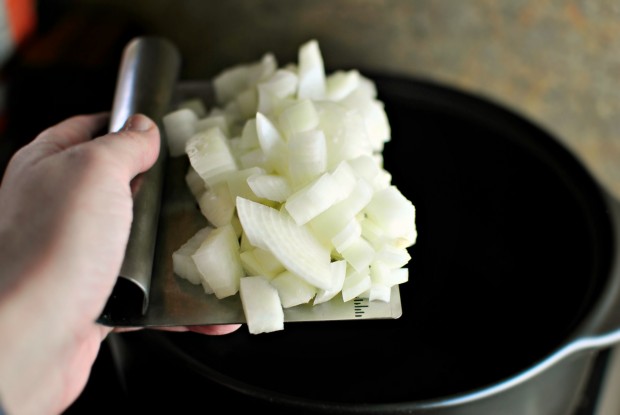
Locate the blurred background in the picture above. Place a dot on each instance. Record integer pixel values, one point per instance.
(556, 62)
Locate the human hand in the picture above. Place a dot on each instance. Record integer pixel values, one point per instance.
(65, 216)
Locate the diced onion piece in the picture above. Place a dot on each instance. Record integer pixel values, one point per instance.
(196, 105)
(379, 292)
(299, 117)
(347, 236)
(233, 81)
(398, 276)
(373, 116)
(247, 102)
(340, 84)
(393, 256)
(345, 178)
(355, 284)
(311, 71)
(366, 167)
(268, 135)
(327, 224)
(338, 270)
(249, 136)
(217, 259)
(179, 127)
(210, 155)
(257, 261)
(292, 289)
(182, 262)
(273, 91)
(194, 182)
(345, 130)
(307, 153)
(253, 158)
(395, 214)
(211, 121)
(229, 83)
(313, 199)
(359, 254)
(263, 69)
(270, 186)
(381, 273)
(217, 205)
(282, 84)
(261, 305)
(294, 246)
(238, 184)
(272, 144)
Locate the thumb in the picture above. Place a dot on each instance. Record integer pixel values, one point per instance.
(136, 145)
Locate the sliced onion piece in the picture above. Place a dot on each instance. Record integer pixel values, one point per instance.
(293, 245)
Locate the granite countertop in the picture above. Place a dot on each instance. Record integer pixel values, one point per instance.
(555, 61)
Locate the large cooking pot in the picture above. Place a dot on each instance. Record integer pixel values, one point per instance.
(514, 287)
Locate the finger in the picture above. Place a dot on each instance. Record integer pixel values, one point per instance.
(216, 330)
(135, 147)
(55, 139)
(73, 130)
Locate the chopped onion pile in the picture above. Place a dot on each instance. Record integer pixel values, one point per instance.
(287, 169)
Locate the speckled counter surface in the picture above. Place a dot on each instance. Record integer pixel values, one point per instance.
(555, 61)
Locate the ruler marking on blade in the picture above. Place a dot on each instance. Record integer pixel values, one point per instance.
(358, 307)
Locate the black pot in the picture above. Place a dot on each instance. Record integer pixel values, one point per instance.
(514, 284)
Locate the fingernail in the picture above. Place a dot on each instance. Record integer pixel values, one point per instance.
(138, 122)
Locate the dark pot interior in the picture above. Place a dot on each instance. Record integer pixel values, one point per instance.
(514, 248)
